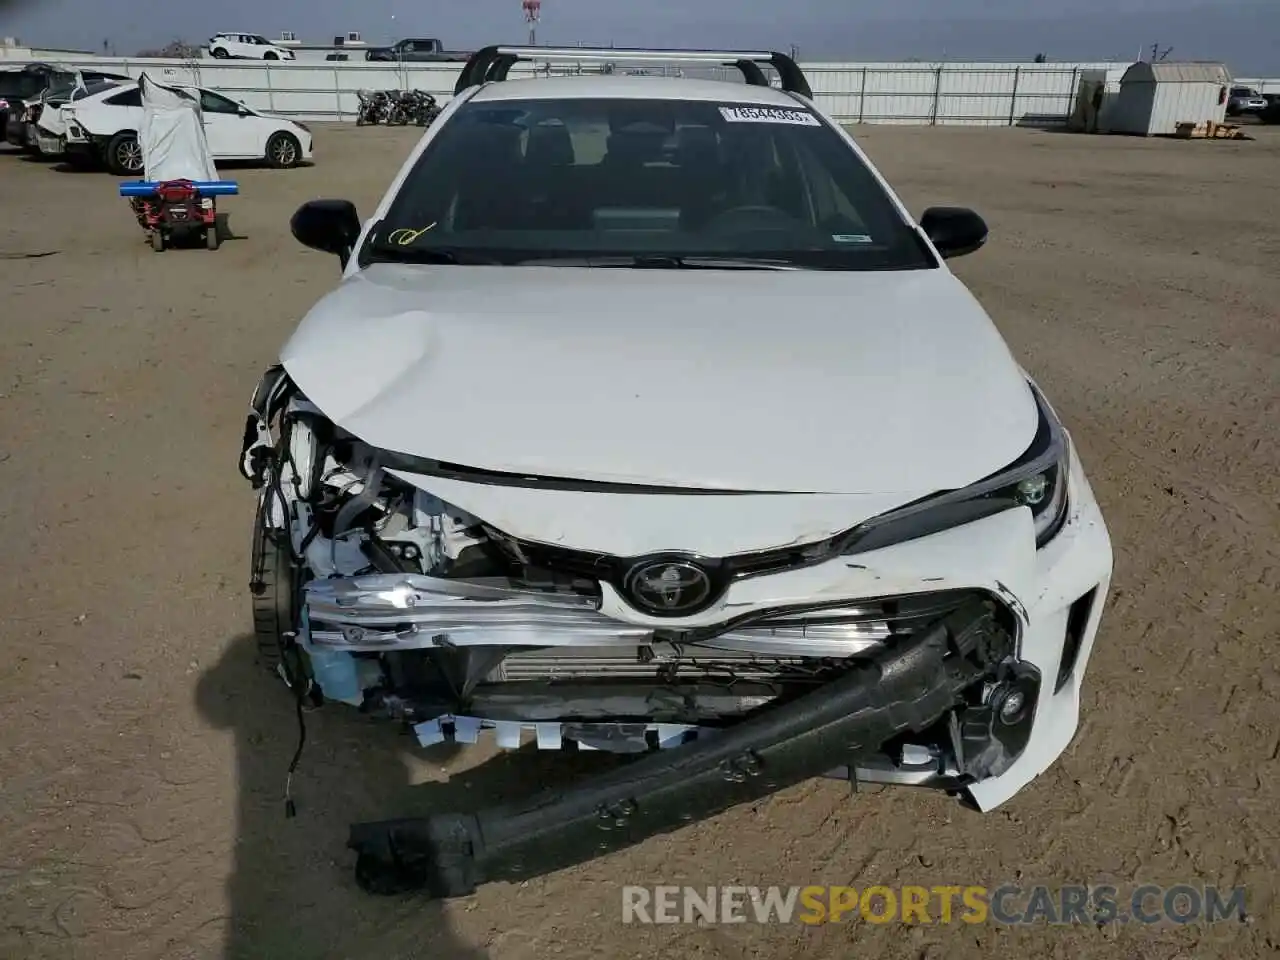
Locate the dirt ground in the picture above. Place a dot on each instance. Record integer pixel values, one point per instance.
(142, 754)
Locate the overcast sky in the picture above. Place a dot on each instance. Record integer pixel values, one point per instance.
(1243, 33)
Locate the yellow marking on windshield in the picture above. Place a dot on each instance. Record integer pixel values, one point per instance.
(404, 236)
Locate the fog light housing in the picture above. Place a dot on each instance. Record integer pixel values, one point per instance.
(989, 737)
(1012, 707)
(1012, 701)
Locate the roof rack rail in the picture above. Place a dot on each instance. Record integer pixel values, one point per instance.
(495, 62)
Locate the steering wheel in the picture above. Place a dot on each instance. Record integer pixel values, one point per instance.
(756, 216)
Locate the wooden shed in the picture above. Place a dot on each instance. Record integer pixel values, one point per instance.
(1156, 97)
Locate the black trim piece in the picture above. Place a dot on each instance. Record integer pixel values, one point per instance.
(752, 73)
(474, 70)
(1077, 621)
(500, 68)
(428, 467)
(793, 78)
(904, 689)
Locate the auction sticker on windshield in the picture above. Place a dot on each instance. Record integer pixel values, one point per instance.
(769, 115)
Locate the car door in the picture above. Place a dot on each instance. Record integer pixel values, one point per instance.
(231, 134)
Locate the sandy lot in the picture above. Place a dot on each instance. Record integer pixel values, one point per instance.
(142, 753)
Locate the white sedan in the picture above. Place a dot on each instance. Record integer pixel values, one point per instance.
(647, 418)
(105, 127)
(246, 46)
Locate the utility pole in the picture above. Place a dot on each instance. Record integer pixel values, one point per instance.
(532, 14)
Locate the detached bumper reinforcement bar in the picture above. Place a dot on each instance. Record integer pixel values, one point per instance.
(898, 691)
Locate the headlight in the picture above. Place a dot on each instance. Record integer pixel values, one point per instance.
(1037, 480)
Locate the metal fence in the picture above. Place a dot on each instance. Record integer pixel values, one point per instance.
(987, 94)
(970, 94)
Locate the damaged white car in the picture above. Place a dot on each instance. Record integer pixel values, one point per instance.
(647, 419)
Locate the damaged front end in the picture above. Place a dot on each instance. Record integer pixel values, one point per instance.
(371, 591)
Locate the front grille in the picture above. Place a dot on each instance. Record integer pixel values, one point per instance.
(689, 666)
(795, 645)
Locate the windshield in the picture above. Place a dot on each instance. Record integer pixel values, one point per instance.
(602, 180)
(59, 88)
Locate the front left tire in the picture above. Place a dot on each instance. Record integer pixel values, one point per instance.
(283, 150)
(275, 598)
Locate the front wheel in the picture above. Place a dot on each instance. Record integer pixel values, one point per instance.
(211, 238)
(270, 55)
(157, 241)
(283, 150)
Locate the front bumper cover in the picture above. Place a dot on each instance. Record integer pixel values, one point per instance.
(900, 690)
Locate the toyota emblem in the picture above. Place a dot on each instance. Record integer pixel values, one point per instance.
(668, 587)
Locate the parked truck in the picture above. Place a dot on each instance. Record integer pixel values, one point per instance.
(417, 49)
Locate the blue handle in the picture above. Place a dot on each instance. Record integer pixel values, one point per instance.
(206, 188)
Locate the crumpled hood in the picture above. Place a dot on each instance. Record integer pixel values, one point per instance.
(801, 381)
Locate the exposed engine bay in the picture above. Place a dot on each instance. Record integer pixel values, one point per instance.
(371, 591)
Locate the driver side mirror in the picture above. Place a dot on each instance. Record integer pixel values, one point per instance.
(954, 231)
(330, 226)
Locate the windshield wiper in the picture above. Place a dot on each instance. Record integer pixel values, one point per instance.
(666, 262)
(395, 253)
(715, 263)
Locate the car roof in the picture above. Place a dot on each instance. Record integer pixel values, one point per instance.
(124, 85)
(633, 88)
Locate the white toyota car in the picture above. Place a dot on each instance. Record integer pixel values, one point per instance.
(104, 127)
(646, 418)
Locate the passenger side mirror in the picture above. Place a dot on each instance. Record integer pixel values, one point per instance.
(954, 231)
(330, 226)
(242, 110)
